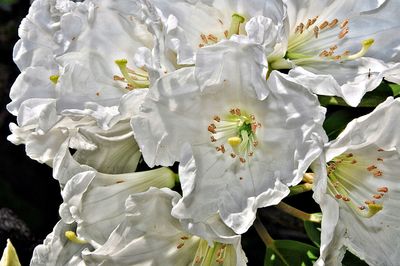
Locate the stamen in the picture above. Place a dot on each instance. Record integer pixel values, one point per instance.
(316, 31)
(343, 33)
(383, 189)
(323, 25)
(235, 24)
(70, 235)
(333, 23)
(344, 23)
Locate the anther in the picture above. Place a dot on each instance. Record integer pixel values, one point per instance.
(361, 208)
(333, 23)
(343, 33)
(213, 139)
(346, 53)
(217, 118)
(369, 202)
(371, 167)
(345, 198)
(184, 237)
(255, 143)
(233, 155)
(212, 38)
(323, 25)
(349, 155)
(226, 33)
(204, 38)
(379, 159)
(344, 23)
(377, 196)
(221, 148)
(242, 160)
(354, 162)
(378, 173)
(119, 182)
(316, 31)
(380, 150)
(338, 196)
(212, 128)
(180, 245)
(238, 112)
(383, 189)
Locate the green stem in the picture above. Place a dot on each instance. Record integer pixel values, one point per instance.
(368, 101)
(300, 189)
(298, 213)
(267, 239)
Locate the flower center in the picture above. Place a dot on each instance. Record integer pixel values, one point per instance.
(350, 182)
(220, 254)
(319, 40)
(238, 129)
(233, 29)
(137, 78)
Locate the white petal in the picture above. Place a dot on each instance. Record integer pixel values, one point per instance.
(349, 80)
(96, 201)
(58, 250)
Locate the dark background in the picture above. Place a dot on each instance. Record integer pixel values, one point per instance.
(29, 196)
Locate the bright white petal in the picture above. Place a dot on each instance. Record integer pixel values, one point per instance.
(59, 250)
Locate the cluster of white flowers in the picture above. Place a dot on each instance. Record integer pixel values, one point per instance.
(226, 88)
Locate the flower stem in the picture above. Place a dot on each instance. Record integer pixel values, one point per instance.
(300, 189)
(316, 218)
(267, 239)
(368, 101)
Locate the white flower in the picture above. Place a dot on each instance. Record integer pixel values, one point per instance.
(188, 26)
(58, 249)
(71, 62)
(358, 189)
(96, 201)
(337, 47)
(250, 138)
(149, 235)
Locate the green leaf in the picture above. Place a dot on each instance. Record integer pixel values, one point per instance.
(7, 2)
(313, 231)
(293, 252)
(395, 89)
(336, 122)
(352, 260)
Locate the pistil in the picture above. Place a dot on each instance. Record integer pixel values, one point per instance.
(134, 79)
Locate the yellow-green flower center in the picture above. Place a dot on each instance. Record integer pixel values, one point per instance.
(238, 130)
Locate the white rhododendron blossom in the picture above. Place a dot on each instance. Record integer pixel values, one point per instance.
(149, 235)
(235, 122)
(81, 76)
(358, 189)
(171, 124)
(340, 48)
(191, 25)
